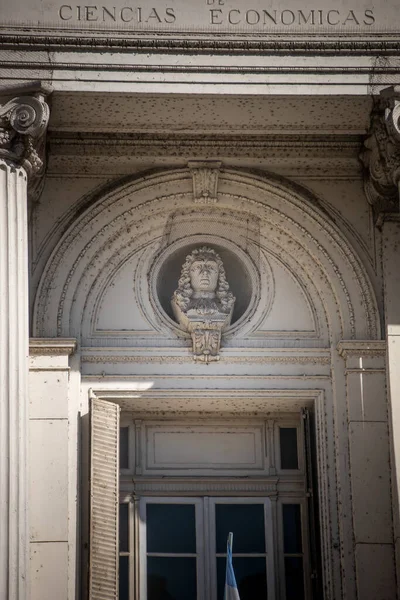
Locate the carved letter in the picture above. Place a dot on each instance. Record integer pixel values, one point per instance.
(305, 19)
(351, 17)
(291, 17)
(270, 17)
(153, 15)
(234, 10)
(90, 16)
(370, 16)
(106, 11)
(328, 17)
(214, 16)
(256, 17)
(126, 8)
(61, 12)
(170, 13)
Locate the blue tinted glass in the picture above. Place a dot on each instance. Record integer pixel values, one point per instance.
(124, 448)
(294, 578)
(246, 521)
(171, 578)
(292, 543)
(171, 528)
(124, 578)
(251, 578)
(123, 528)
(288, 445)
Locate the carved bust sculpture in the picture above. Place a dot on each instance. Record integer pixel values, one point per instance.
(203, 304)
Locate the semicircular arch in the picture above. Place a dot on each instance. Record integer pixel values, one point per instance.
(266, 218)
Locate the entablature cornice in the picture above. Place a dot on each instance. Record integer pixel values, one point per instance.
(366, 356)
(197, 43)
(52, 346)
(122, 154)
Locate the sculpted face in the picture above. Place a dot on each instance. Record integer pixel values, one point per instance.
(204, 275)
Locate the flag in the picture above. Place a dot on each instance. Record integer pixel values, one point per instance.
(231, 588)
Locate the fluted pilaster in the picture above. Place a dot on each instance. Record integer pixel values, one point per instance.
(23, 122)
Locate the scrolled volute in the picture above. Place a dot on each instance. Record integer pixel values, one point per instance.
(23, 124)
(381, 154)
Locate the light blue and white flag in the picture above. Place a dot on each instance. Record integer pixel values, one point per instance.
(231, 588)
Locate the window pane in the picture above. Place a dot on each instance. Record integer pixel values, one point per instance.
(124, 448)
(251, 577)
(171, 578)
(124, 578)
(292, 528)
(171, 528)
(246, 521)
(288, 445)
(294, 578)
(124, 527)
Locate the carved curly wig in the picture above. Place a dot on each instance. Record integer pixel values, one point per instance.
(184, 292)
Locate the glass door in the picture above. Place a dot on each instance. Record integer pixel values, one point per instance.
(172, 549)
(249, 519)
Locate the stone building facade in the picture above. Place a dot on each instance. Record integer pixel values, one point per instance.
(199, 315)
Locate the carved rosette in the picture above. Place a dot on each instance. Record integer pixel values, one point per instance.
(23, 124)
(381, 154)
(205, 181)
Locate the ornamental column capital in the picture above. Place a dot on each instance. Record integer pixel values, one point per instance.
(381, 154)
(23, 123)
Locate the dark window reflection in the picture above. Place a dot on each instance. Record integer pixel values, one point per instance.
(292, 543)
(251, 577)
(124, 578)
(124, 527)
(124, 448)
(246, 521)
(294, 578)
(171, 528)
(170, 578)
(288, 445)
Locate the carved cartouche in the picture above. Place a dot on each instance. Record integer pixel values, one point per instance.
(203, 304)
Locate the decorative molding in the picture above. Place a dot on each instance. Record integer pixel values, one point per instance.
(205, 180)
(217, 485)
(184, 359)
(363, 348)
(23, 124)
(52, 346)
(333, 156)
(165, 43)
(381, 154)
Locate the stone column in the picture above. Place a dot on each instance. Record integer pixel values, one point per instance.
(382, 159)
(23, 122)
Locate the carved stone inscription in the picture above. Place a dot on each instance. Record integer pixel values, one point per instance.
(203, 304)
(219, 13)
(234, 16)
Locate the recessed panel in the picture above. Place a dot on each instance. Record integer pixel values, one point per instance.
(204, 447)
